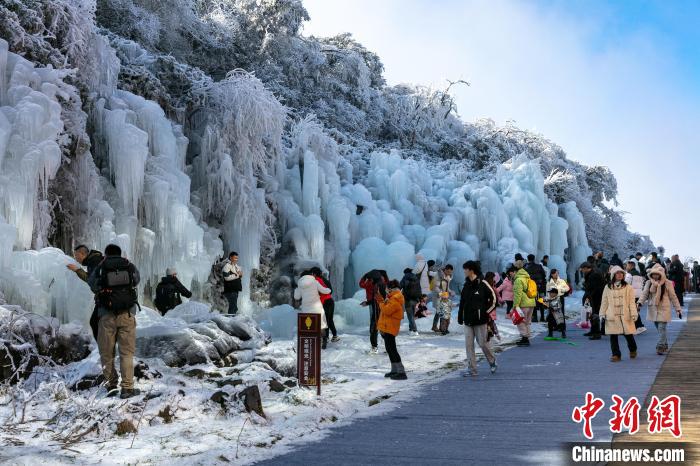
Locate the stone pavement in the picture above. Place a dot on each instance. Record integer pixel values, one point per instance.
(520, 415)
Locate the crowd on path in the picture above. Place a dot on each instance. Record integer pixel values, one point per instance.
(614, 293)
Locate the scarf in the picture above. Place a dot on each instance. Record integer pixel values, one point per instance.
(655, 289)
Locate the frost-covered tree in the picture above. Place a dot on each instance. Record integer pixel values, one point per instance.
(291, 149)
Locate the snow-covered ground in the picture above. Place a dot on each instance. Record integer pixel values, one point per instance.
(201, 431)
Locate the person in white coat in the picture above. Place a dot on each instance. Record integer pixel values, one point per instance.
(422, 271)
(620, 312)
(309, 291)
(661, 296)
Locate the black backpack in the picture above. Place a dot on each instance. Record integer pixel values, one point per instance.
(412, 289)
(117, 289)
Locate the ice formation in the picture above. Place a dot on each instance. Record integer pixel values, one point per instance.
(180, 191)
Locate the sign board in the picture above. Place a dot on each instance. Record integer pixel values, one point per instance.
(309, 350)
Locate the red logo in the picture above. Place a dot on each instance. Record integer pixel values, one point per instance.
(665, 415)
(626, 415)
(587, 412)
(661, 415)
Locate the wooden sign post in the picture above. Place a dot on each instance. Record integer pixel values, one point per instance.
(309, 350)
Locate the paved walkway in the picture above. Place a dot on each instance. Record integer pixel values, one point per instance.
(520, 415)
(679, 375)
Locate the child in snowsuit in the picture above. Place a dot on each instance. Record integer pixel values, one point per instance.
(555, 316)
(444, 304)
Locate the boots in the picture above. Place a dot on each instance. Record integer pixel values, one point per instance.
(393, 370)
(399, 372)
(524, 341)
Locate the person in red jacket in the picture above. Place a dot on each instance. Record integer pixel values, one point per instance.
(328, 306)
(372, 282)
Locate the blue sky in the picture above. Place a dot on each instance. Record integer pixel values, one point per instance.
(614, 83)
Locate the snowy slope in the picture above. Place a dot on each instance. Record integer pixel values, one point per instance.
(200, 431)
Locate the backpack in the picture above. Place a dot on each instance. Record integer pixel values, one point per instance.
(117, 291)
(412, 289)
(166, 297)
(531, 288)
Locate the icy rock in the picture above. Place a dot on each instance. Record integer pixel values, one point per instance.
(220, 398)
(281, 359)
(232, 382)
(190, 334)
(23, 336)
(251, 400)
(88, 382)
(276, 386)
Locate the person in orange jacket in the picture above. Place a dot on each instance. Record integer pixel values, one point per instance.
(390, 315)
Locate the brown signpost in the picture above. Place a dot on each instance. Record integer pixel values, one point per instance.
(309, 350)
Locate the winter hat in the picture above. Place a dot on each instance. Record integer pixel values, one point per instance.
(613, 270)
(170, 271)
(659, 269)
(586, 265)
(519, 257)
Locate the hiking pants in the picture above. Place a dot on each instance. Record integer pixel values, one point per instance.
(373, 319)
(329, 310)
(480, 334)
(435, 298)
(410, 307)
(117, 329)
(524, 326)
(232, 299)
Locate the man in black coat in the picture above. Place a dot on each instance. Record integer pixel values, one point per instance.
(90, 259)
(676, 272)
(475, 303)
(539, 276)
(169, 292)
(593, 286)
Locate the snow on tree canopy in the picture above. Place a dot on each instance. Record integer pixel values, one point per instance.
(290, 150)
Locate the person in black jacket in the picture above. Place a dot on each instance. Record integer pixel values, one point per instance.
(169, 292)
(476, 302)
(616, 260)
(114, 283)
(676, 272)
(89, 258)
(539, 276)
(410, 287)
(593, 286)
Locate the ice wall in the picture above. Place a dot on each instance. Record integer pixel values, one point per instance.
(155, 223)
(30, 152)
(404, 206)
(172, 200)
(146, 206)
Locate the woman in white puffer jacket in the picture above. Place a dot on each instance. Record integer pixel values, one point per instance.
(309, 290)
(661, 296)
